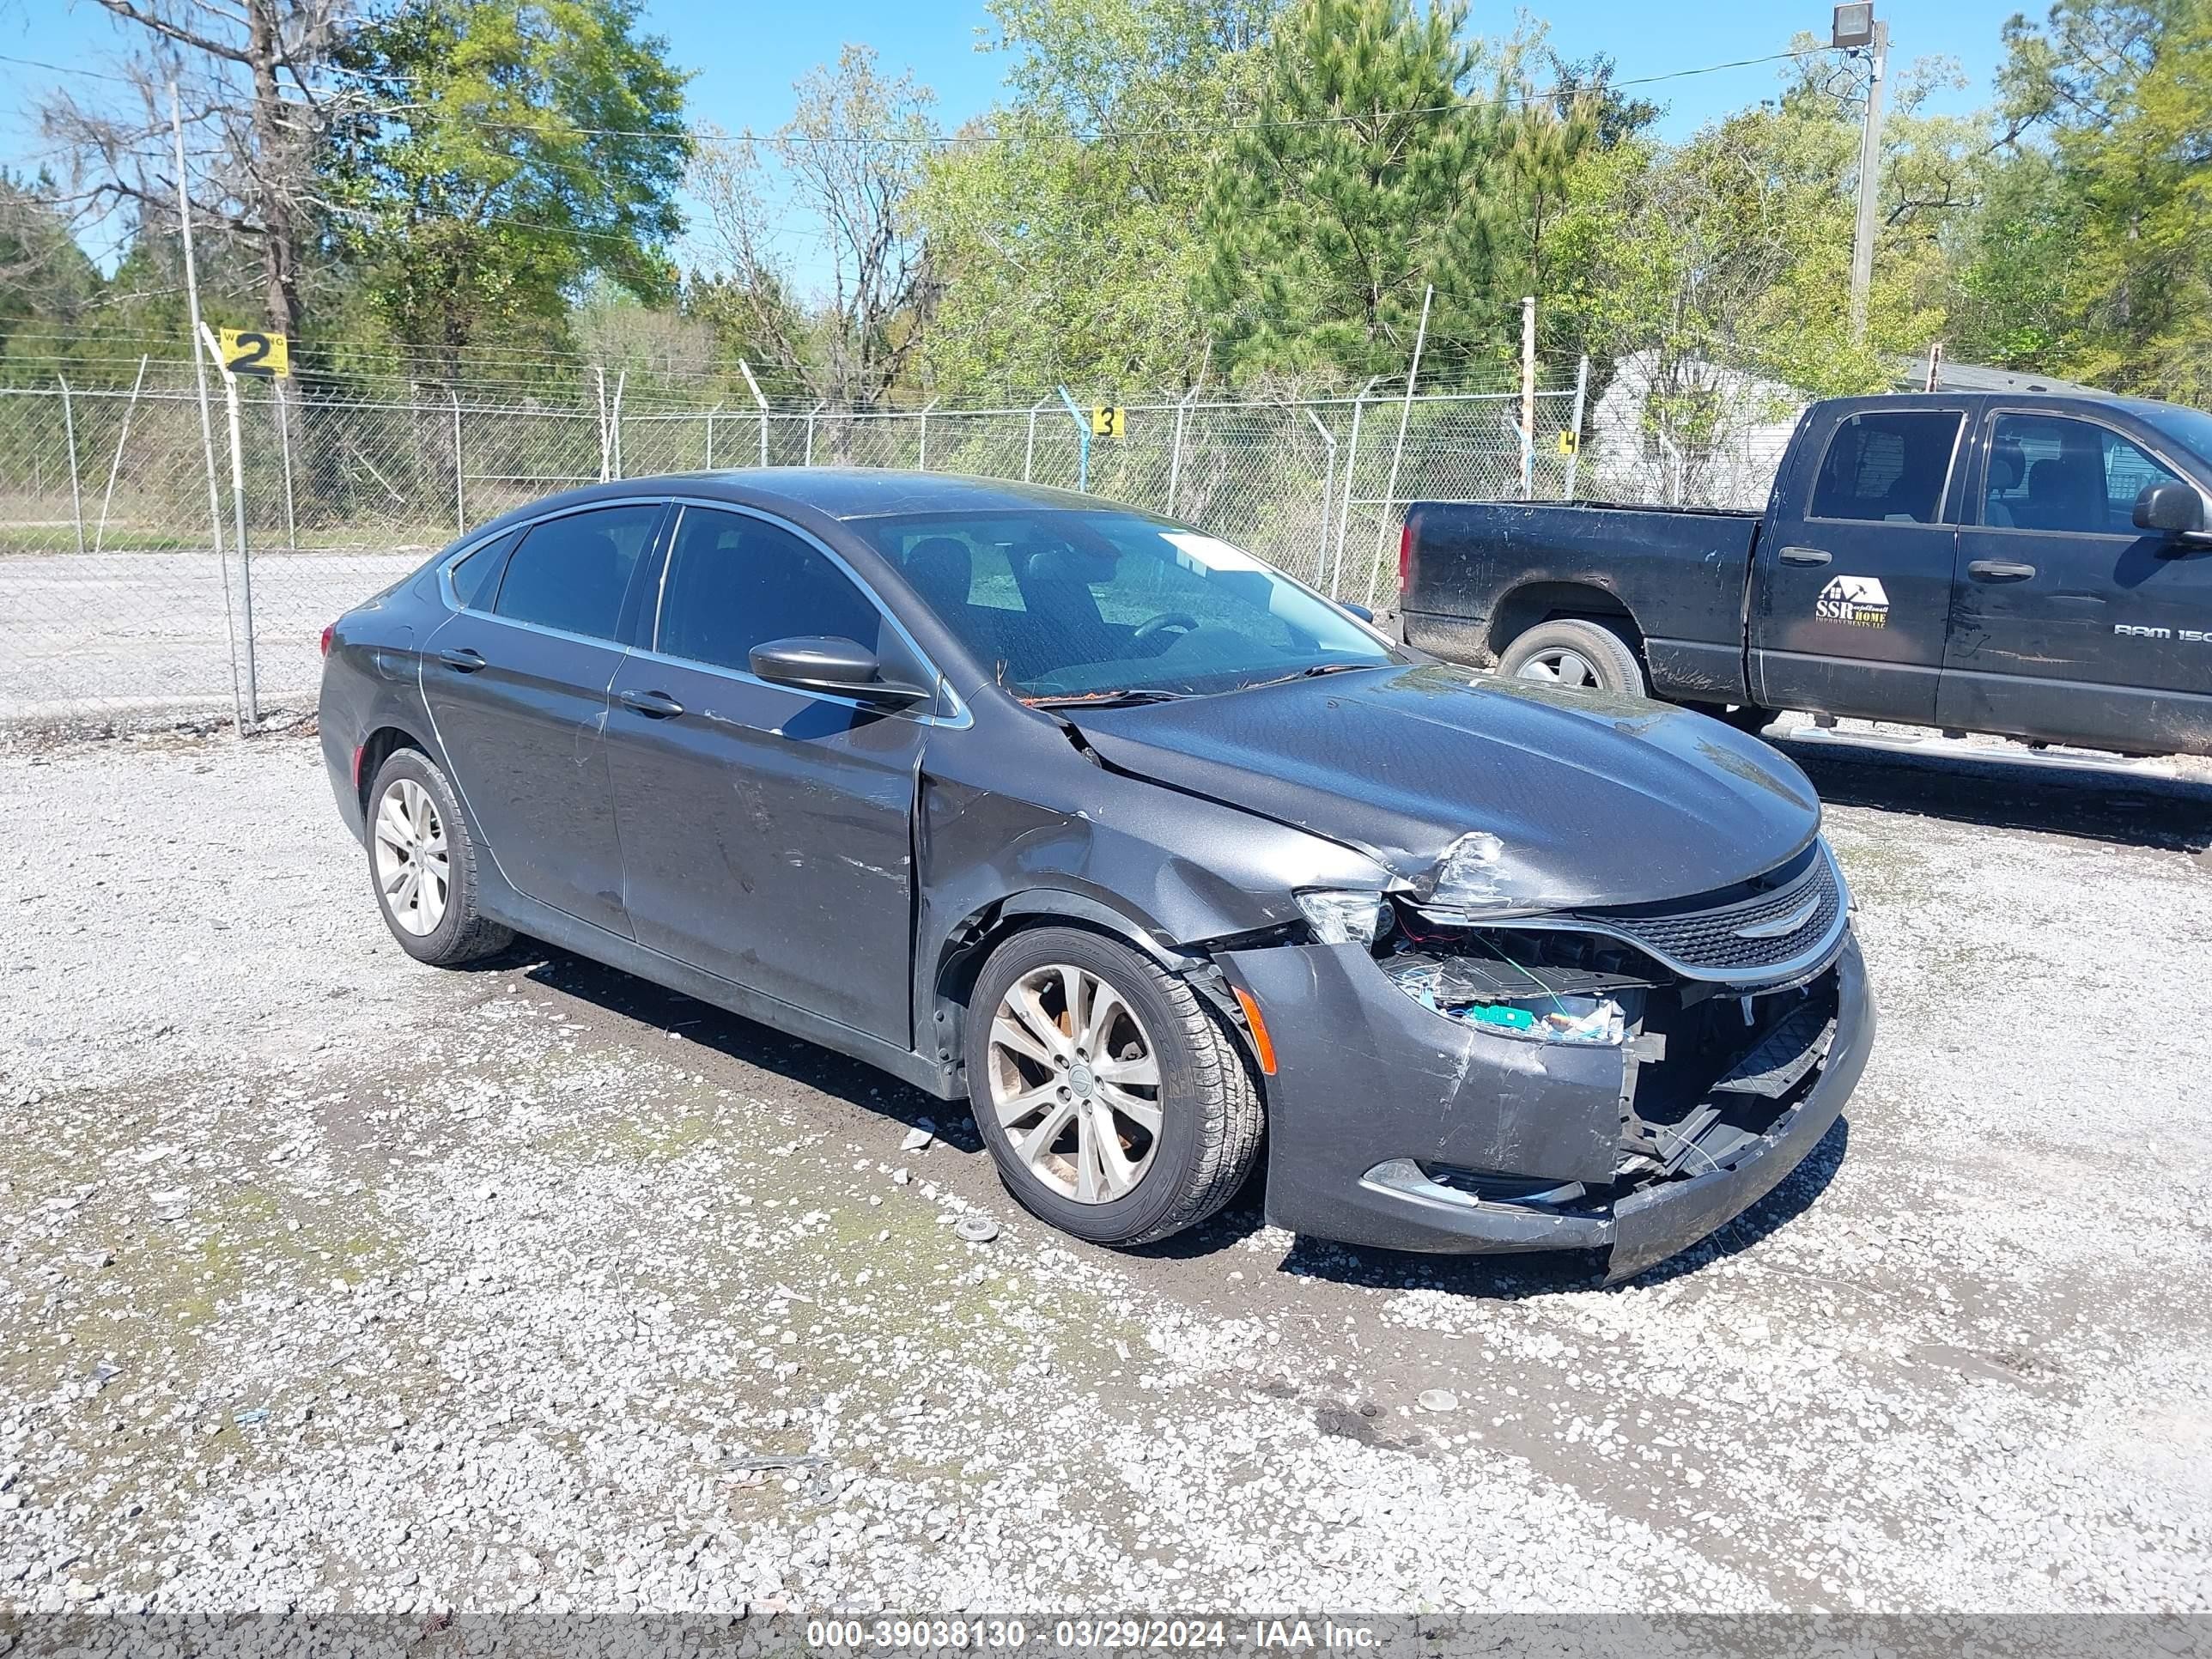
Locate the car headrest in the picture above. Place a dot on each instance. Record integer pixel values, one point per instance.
(941, 568)
(2007, 464)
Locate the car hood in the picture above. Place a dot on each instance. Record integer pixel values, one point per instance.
(1598, 801)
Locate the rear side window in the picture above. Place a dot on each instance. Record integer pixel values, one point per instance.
(735, 582)
(570, 573)
(2047, 472)
(471, 574)
(1887, 467)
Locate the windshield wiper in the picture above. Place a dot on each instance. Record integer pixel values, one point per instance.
(1318, 669)
(1104, 699)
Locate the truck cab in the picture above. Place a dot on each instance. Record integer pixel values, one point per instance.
(1974, 563)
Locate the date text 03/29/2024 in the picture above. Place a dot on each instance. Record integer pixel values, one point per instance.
(1265, 1635)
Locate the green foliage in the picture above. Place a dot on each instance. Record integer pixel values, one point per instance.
(1371, 170)
(2105, 234)
(1061, 256)
(514, 149)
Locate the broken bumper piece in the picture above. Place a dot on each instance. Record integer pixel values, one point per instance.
(1393, 1123)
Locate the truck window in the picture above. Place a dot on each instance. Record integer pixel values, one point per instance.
(2047, 472)
(1887, 467)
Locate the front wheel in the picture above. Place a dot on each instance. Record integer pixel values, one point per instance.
(1572, 652)
(1116, 1104)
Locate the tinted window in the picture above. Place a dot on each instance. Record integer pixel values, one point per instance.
(1064, 604)
(735, 582)
(570, 573)
(1887, 467)
(471, 574)
(2047, 472)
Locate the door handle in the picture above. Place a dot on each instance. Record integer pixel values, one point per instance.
(462, 660)
(1806, 555)
(1999, 570)
(653, 705)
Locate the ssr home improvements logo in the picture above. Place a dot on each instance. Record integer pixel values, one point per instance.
(1860, 601)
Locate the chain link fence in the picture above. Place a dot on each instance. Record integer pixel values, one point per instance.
(129, 593)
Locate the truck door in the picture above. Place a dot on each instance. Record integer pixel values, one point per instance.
(1852, 594)
(2068, 623)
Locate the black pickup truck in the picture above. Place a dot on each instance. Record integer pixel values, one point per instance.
(2035, 566)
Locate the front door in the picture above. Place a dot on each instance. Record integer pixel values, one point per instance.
(1853, 590)
(2071, 623)
(766, 834)
(517, 687)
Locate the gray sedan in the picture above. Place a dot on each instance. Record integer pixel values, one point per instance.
(1153, 855)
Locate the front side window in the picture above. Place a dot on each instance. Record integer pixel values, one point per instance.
(1080, 603)
(2047, 472)
(1888, 467)
(735, 582)
(571, 572)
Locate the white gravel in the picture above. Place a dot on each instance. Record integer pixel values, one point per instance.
(333, 1282)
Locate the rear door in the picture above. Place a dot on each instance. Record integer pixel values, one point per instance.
(2070, 625)
(1851, 591)
(766, 834)
(516, 681)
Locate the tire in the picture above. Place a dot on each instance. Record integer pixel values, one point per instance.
(1585, 654)
(413, 817)
(1744, 716)
(1206, 1103)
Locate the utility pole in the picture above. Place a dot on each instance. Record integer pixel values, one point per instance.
(1857, 30)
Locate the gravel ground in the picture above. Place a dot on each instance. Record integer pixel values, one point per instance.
(333, 1282)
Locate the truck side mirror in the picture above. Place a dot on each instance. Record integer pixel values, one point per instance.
(2171, 508)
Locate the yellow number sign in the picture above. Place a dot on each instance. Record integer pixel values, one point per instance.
(1567, 444)
(254, 351)
(1108, 421)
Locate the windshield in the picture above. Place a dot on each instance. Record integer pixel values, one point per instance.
(1077, 604)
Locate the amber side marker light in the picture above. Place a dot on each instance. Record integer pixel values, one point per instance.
(1262, 1044)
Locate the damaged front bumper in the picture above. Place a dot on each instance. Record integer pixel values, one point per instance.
(1394, 1125)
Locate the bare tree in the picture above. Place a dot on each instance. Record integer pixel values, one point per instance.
(852, 156)
(251, 76)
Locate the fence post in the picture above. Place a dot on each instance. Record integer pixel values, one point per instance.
(1082, 443)
(1328, 490)
(1398, 454)
(207, 428)
(460, 499)
(237, 510)
(599, 380)
(116, 467)
(1574, 454)
(1029, 449)
(284, 448)
(1350, 466)
(710, 435)
(923, 465)
(1527, 395)
(810, 414)
(746, 369)
(77, 490)
(614, 420)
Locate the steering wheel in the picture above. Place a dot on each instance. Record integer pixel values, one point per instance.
(1180, 620)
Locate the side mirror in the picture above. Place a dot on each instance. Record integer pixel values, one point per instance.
(1358, 610)
(2171, 507)
(841, 668)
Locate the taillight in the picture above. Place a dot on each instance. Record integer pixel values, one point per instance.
(328, 629)
(1406, 558)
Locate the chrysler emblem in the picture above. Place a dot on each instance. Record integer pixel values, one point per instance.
(1778, 925)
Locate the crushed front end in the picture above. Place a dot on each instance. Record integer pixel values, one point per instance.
(1624, 1079)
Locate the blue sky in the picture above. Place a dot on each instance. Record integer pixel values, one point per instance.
(746, 55)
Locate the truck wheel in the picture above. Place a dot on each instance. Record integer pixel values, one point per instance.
(1571, 652)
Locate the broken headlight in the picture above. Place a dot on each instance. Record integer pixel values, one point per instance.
(1338, 917)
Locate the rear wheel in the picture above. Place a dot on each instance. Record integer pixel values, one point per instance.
(1572, 652)
(1116, 1103)
(422, 863)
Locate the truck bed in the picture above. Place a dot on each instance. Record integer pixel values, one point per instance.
(1481, 572)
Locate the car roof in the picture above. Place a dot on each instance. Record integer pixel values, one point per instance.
(855, 492)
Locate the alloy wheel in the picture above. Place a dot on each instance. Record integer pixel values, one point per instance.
(414, 872)
(1075, 1083)
(1560, 665)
